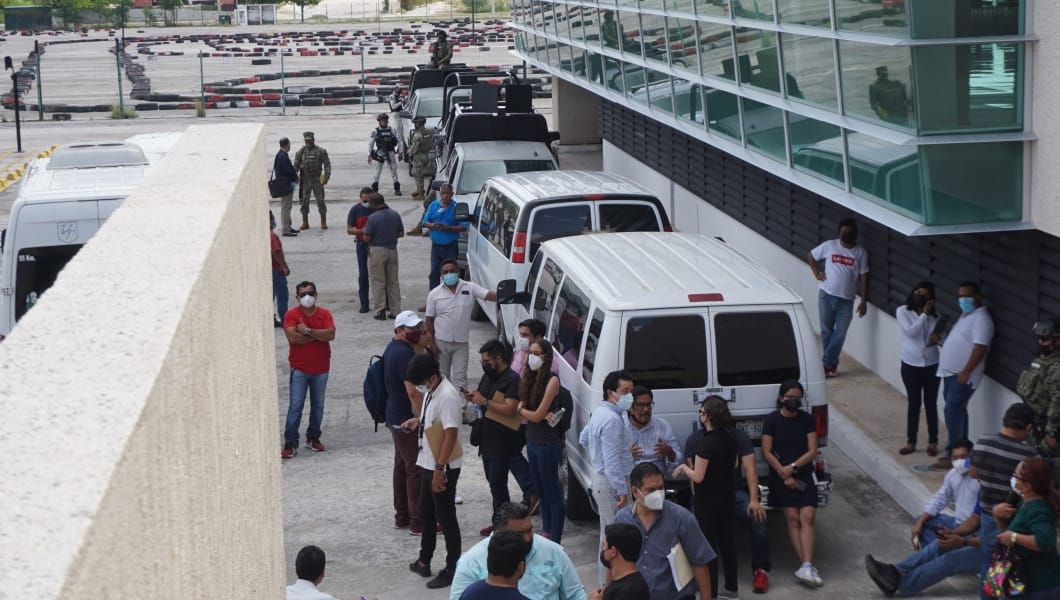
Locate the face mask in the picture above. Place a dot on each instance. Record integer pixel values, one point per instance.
(625, 402)
(423, 389)
(413, 337)
(522, 343)
(365, 203)
(792, 404)
(967, 305)
(1012, 484)
(849, 238)
(534, 362)
(487, 368)
(603, 561)
(919, 301)
(308, 301)
(654, 500)
(961, 465)
(272, 224)
(450, 279)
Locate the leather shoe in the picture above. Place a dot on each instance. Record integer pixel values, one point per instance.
(444, 579)
(885, 576)
(907, 449)
(363, 309)
(932, 450)
(943, 464)
(420, 569)
(380, 316)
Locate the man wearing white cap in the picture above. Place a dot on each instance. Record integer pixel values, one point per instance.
(403, 402)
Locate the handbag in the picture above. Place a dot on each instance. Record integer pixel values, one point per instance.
(279, 187)
(1004, 577)
(475, 438)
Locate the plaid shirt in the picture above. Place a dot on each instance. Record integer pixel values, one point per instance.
(655, 430)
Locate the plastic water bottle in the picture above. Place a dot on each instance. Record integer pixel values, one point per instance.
(557, 417)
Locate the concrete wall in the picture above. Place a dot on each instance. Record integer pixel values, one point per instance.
(575, 111)
(1044, 154)
(139, 395)
(873, 340)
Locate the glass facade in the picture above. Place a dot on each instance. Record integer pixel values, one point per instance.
(811, 84)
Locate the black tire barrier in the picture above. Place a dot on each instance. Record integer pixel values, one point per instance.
(312, 102)
(146, 106)
(101, 108)
(261, 61)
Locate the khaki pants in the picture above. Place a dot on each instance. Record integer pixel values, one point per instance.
(383, 279)
(285, 212)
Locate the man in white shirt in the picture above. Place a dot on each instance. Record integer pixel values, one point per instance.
(309, 566)
(961, 363)
(846, 268)
(653, 439)
(449, 320)
(958, 488)
(439, 467)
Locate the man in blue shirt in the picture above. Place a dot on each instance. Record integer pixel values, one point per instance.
(608, 441)
(549, 574)
(664, 525)
(440, 219)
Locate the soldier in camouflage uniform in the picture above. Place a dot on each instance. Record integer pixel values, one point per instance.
(1039, 386)
(420, 155)
(314, 171)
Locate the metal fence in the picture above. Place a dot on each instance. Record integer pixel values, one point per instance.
(320, 71)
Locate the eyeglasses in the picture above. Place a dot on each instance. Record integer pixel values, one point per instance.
(643, 405)
(791, 397)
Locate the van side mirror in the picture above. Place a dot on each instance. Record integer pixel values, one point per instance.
(405, 114)
(461, 214)
(506, 291)
(436, 184)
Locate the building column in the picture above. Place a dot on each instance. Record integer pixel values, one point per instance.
(575, 113)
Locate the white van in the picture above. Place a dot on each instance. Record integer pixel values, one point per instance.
(685, 315)
(63, 201)
(515, 214)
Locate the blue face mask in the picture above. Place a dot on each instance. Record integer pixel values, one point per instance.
(450, 279)
(967, 305)
(625, 402)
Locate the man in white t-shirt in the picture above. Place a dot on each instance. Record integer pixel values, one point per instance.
(439, 471)
(846, 269)
(961, 362)
(449, 320)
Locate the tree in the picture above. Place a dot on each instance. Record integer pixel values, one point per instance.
(67, 10)
(169, 10)
(303, 4)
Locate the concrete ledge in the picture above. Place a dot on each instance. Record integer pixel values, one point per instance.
(139, 395)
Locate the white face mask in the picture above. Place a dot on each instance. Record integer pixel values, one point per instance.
(625, 402)
(961, 465)
(522, 343)
(423, 389)
(534, 362)
(1012, 484)
(654, 500)
(307, 301)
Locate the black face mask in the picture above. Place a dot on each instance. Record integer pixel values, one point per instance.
(606, 563)
(919, 301)
(413, 337)
(849, 238)
(487, 369)
(1043, 350)
(792, 405)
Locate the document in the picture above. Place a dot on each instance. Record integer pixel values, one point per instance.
(513, 422)
(434, 435)
(680, 568)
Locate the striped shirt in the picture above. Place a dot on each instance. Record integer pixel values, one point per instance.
(995, 456)
(646, 438)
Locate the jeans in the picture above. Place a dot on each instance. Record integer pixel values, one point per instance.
(452, 361)
(544, 468)
(300, 382)
(836, 314)
(955, 409)
(759, 531)
(362, 273)
(988, 531)
(279, 293)
(921, 387)
(930, 565)
(439, 508)
(497, 469)
(406, 478)
(715, 520)
(927, 533)
(439, 253)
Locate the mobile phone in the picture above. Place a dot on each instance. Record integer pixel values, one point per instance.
(800, 485)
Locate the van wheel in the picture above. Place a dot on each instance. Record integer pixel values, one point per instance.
(579, 508)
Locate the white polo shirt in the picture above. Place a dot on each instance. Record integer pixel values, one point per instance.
(975, 328)
(444, 404)
(451, 309)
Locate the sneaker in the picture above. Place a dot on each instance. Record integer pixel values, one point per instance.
(458, 500)
(416, 530)
(444, 579)
(420, 569)
(728, 595)
(399, 525)
(760, 585)
(363, 309)
(805, 576)
(315, 445)
(486, 531)
(885, 576)
(816, 578)
(533, 503)
(289, 450)
(290, 233)
(831, 373)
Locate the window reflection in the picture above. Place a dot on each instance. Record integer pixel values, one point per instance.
(763, 128)
(715, 49)
(684, 46)
(712, 8)
(761, 10)
(968, 18)
(805, 12)
(653, 38)
(969, 88)
(756, 59)
(876, 82)
(956, 198)
(810, 70)
(817, 148)
(876, 18)
(688, 101)
(723, 111)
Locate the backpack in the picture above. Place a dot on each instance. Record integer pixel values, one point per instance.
(1031, 385)
(564, 400)
(375, 390)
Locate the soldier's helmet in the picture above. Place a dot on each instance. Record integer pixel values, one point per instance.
(1049, 328)
(308, 136)
(420, 120)
(382, 117)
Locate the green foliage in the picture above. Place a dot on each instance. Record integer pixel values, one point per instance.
(169, 8)
(150, 17)
(118, 113)
(67, 10)
(302, 4)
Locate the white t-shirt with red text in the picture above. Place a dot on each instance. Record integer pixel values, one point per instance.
(842, 267)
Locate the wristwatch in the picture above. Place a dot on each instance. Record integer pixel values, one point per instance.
(308, 331)
(441, 467)
(1012, 537)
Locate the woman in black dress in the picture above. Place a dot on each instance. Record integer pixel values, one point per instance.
(714, 482)
(789, 446)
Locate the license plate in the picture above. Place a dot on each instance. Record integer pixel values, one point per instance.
(752, 427)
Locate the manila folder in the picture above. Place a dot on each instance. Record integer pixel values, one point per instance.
(434, 435)
(680, 568)
(513, 422)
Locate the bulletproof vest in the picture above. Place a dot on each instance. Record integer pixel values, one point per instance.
(385, 139)
(312, 160)
(1032, 384)
(891, 95)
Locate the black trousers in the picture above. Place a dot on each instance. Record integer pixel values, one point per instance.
(921, 388)
(716, 522)
(439, 508)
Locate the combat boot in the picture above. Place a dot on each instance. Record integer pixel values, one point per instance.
(418, 194)
(415, 231)
(323, 222)
(375, 186)
(397, 189)
(305, 222)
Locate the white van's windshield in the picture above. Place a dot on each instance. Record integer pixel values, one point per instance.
(476, 172)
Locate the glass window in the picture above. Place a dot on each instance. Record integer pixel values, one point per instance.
(667, 352)
(757, 63)
(817, 148)
(688, 101)
(571, 312)
(545, 296)
(753, 9)
(877, 18)
(876, 82)
(660, 94)
(654, 44)
(610, 35)
(742, 357)
(476, 172)
(715, 51)
(627, 216)
(809, 70)
(966, 19)
(551, 222)
(629, 32)
(497, 221)
(580, 18)
(36, 270)
(680, 6)
(976, 87)
(763, 126)
(684, 45)
(566, 63)
(886, 172)
(612, 74)
(712, 8)
(723, 110)
(954, 197)
(805, 12)
(589, 356)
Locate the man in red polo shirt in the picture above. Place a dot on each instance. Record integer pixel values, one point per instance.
(309, 330)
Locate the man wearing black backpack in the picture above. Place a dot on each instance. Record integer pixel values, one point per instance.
(387, 147)
(403, 402)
